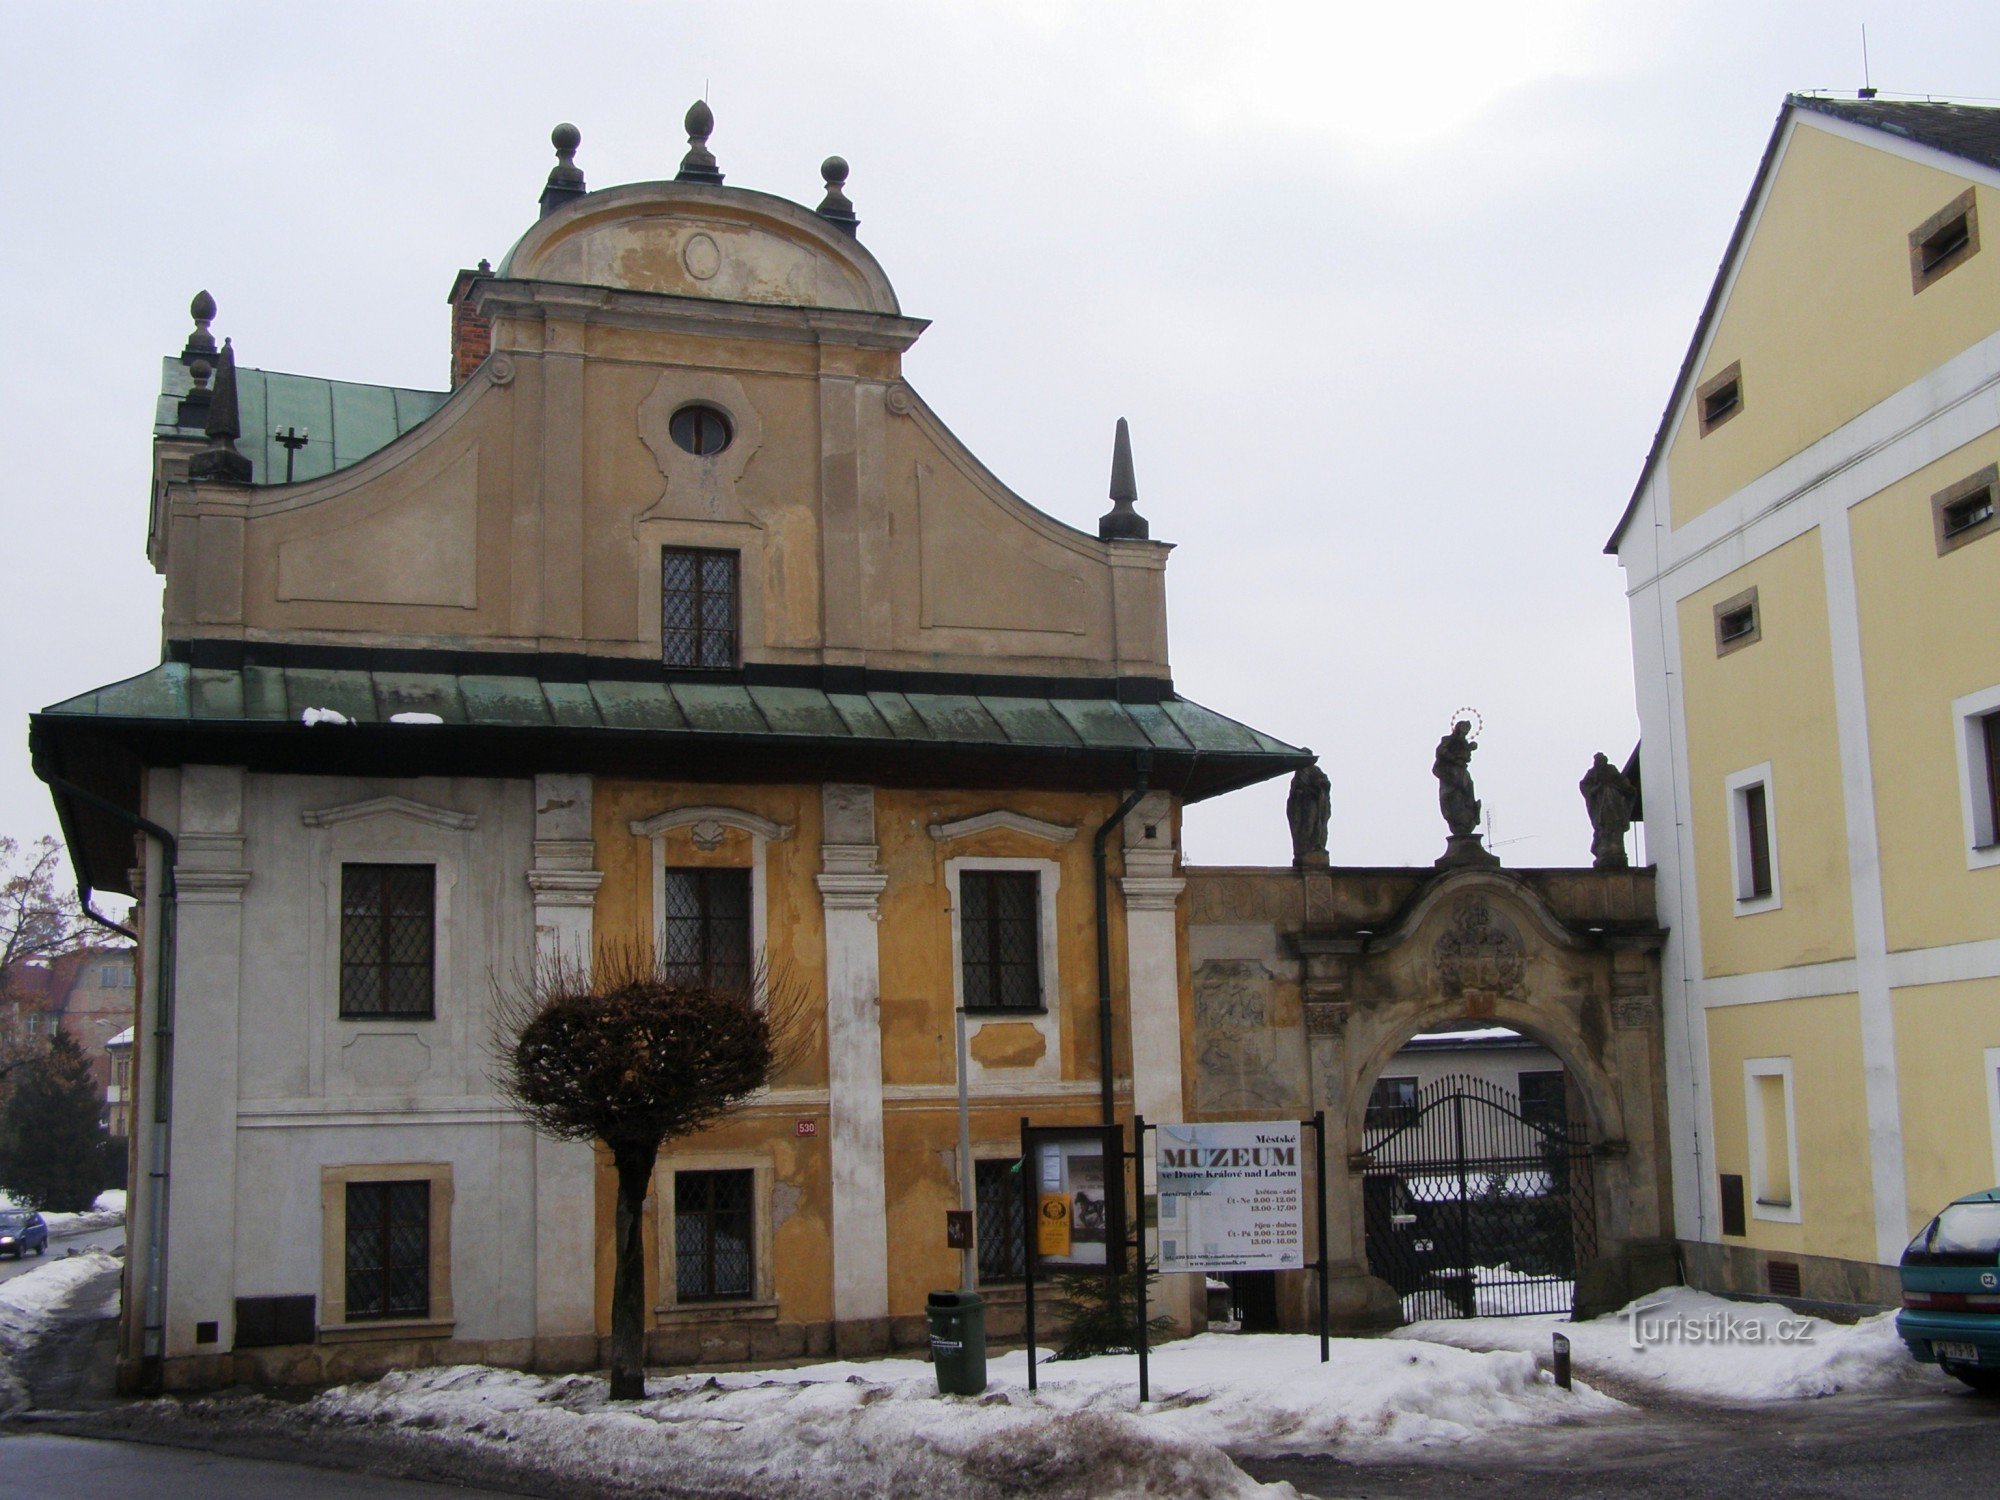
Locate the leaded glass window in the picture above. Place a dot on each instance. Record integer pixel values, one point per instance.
(387, 939)
(707, 931)
(1003, 1239)
(714, 1253)
(388, 1249)
(698, 608)
(1000, 939)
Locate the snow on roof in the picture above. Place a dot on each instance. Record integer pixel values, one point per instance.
(123, 1039)
(1472, 1034)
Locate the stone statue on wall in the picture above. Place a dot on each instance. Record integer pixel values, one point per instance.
(1453, 768)
(1308, 809)
(1609, 796)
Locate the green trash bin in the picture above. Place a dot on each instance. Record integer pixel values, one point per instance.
(958, 1342)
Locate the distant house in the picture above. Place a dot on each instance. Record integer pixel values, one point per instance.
(86, 993)
(118, 1092)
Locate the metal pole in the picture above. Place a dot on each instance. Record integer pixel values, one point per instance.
(1029, 1224)
(968, 1265)
(1139, 1269)
(1471, 1300)
(1319, 1169)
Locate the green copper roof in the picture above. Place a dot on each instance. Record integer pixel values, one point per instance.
(344, 422)
(253, 695)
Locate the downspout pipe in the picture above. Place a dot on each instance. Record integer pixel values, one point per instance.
(152, 1349)
(1143, 769)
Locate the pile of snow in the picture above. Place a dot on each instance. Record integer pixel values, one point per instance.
(313, 716)
(1701, 1345)
(880, 1428)
(107, 1212)
(28, 1305)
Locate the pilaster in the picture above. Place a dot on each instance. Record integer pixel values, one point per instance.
(850, 886)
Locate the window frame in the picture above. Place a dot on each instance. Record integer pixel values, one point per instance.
(683, 1297)
(1924, 272)
(1560, 1124)
(704, 876)
(1735, 605)
(761, 1305)
(1011, 1191)
(347, 1011)
(335, 1324)
(1976, 733)
(1373, 1115)
(1761, 1205)
(1986, 480)
(1705, 393)
(996, 881)
(1748, 900)
(385, 1188)
(1048, 1020)
(700, 631)
(701, 409)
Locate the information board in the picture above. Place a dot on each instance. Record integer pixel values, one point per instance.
(1232, 1197)
(1076, 1175)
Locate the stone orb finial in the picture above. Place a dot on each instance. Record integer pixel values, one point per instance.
(700, 121)
(835, 207)
(202, 309)
(565, 138)
(699, 163)
(833, 171)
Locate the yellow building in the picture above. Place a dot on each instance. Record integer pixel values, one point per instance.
(1813, 563)
(680, 619)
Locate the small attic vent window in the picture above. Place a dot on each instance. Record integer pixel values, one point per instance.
(700, 430)
(1965, 511)
(1944, 240)
(1720, 399)
(1737, 623)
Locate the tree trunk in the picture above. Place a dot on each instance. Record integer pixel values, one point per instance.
(628, 1280)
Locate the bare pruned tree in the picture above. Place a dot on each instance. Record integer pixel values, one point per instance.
(634, 1053)
(39, 920)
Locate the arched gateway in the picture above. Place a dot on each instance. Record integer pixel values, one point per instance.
(1308, 981)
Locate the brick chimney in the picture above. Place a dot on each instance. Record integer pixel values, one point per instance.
(471, 335)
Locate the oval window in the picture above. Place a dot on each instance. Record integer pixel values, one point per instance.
(700, 430)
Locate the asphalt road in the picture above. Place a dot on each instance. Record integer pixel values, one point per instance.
(92, 1469)
(1942, 1442)
(102, 1239)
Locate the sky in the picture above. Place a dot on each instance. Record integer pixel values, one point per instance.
(1392, 297)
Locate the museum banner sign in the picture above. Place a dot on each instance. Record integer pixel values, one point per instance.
(1231, 1197)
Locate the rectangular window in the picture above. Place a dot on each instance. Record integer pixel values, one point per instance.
(1003, 1240)
(1964, 512)
(698, 608)
(388, 1250)
(1392, 1103)
(1738, 622)
(1944, 241)
(1732, 1204)
(707, 933)
(1719, 398)
(1989, 734)
(1976, 725)
(1545, 1099)
(1753, 840)
(713, 1250)
(387, 940)
(1000, 939)
(1774, 1153)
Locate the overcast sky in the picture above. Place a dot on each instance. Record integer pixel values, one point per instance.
(1392, 296)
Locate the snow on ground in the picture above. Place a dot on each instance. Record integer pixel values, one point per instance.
(28, 1304)
(1700, 1345)
(880, 1428)
(107, 1212)
(1498, 1291)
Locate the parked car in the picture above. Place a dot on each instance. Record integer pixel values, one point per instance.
(22, 1231)
(1951, 1291)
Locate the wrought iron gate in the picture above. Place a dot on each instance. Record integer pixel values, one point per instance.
(1472, 1210)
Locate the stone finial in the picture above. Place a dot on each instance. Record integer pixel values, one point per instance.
(220, 461)
(834, 207)
(565, 184)
(200, 343)
(699, 163)
(1122, 523)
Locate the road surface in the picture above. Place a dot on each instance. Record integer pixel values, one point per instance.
(100, 1239)
(90, 1469)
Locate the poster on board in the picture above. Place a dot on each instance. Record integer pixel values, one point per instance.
(1077, 1175)
(1232, 1197)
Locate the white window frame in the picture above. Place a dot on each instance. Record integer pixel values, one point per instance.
(1048, 1020)
(1753, 1108)
(1739, 839)
(1982, 839)
(1993, 1104)
(708, 824)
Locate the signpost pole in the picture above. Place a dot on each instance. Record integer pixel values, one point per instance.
(1028, 1225)
(968, 1278)
(1319, 1193)
(1139, 1268)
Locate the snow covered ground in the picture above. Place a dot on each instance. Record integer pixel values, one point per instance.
(106, 1213)
(27, 1308)
(1497, 1291)
(880, 1428)
(1695, 1344)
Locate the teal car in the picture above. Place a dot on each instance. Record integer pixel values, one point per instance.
(1951, 1291)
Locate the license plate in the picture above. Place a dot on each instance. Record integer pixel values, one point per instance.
(1958, 1354)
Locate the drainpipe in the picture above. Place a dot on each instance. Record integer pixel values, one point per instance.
(152, 1348)
(1144, 770)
